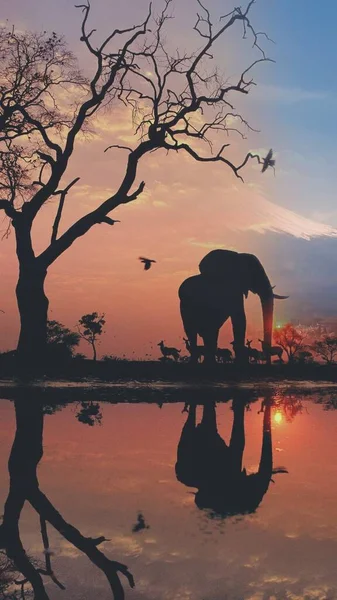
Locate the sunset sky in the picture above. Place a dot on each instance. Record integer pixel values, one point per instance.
(288, 220)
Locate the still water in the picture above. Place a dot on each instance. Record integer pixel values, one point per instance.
(241, 507)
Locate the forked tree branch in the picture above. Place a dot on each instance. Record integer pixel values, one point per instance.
(48, 571)
(8, 208)
(63, 194)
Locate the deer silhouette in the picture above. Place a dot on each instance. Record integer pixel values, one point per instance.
(254, 354)
(166, 351)
(245, 351)
(224, 355)
(270, 351)
(199, 350)
(206, 462)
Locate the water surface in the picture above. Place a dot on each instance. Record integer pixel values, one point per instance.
(212, 531)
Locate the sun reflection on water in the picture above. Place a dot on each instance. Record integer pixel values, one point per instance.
(278, 417)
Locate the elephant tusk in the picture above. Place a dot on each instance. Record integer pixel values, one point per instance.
(280, 297)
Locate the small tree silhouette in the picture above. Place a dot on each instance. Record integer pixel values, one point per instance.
(61, 341)
(326, 348)
(58, 334)
(290, 339)
(90, 327)
(89, 413)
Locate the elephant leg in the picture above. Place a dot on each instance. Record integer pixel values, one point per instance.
(187, 437)
(191, 418)
(192, 338)
(238, 318)
(211, 345)
(187, 466)
(237, 441)
(208, 421)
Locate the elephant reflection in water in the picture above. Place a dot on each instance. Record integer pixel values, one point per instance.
(206, 462)
(26, 453)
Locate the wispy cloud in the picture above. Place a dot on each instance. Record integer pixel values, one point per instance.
(287, 95)
(278, 219)
(252, 211)
(200, 244)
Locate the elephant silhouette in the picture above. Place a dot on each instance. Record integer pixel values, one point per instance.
(207, 463)
(207, 300)
(26, 453)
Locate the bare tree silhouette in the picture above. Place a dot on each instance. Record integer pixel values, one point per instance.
(38, 133)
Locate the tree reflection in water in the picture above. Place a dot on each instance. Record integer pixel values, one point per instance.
(8, 577)
(206, 462)
(26, 453)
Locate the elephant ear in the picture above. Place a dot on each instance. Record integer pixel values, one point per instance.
(253, 276)
(220, 264)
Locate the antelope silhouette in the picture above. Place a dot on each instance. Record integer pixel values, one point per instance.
(253, 353)
(166, 351)
(224, 355)
(199, 351)
(270, 351)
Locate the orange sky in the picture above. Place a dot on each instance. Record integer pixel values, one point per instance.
(186, 210)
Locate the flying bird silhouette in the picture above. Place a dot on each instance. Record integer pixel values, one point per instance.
(269, 161)
(147, 262)
(140, 524)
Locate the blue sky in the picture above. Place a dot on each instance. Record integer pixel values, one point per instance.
(302, 116)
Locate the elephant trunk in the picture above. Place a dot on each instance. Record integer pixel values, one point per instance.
(266, 460)
(267, 303)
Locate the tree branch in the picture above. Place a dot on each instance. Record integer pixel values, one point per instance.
(88, 546)
(42, 130)
(119, 147)
(49, 571)
(83, 225)
(63, 194)
(8, 208)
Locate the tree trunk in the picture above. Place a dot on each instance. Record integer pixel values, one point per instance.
(33, 309)
(94, 351)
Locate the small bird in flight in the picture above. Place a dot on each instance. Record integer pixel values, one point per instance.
(147, 262)
(140, 524)
(269, 161)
